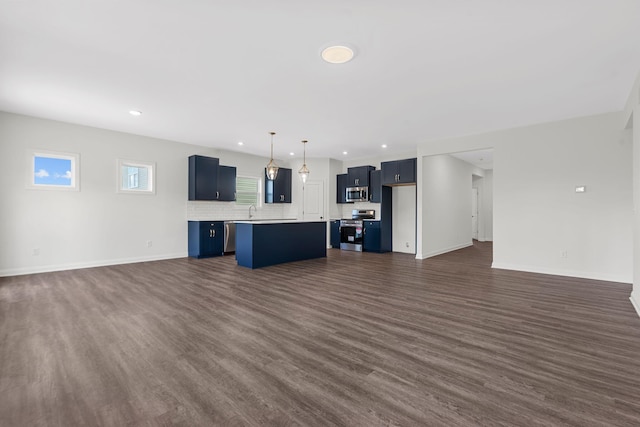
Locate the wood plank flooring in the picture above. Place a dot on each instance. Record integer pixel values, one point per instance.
(356, 339)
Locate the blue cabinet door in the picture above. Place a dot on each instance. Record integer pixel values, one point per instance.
(206, 238)
(399, 172)
(359, 176)
(407, 171)
(226, 183)
(341, 182)
(203, 178)
(371, 238)
(375, 186)
(335, 234)
(278, 190)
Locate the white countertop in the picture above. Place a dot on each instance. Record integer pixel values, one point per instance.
(275, 221)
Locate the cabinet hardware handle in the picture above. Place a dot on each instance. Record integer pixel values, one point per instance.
(210, 233)
(217, 194)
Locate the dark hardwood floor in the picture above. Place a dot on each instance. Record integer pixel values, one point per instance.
(356, 339)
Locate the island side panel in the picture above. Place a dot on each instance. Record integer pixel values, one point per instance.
(244, 244)
(282, 242)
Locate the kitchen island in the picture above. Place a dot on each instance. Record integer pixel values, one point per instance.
(264, 243)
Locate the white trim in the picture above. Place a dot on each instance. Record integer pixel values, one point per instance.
(592, 275)
(88, 264)
(444, 251)
(151, 166)
(260, 193)
(635, 302)
(74, 184)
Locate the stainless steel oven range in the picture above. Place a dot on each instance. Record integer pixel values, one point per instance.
(351, 230)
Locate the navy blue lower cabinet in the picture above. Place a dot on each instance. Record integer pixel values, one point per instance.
(335, 234)
(371, 238)
(262, 244)
(206, 238)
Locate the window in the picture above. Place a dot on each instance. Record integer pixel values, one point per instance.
(247, 191)
(53, 171)
(136, 177)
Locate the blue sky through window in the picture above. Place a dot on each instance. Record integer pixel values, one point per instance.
(52, 171)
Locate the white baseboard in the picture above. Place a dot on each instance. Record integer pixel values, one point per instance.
(561, 272)
(635, 301)
(89, 264)
(443, 251)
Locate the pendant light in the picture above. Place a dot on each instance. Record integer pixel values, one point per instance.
(304, 170)
(272, 168)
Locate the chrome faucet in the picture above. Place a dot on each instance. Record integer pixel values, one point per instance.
(254, 209)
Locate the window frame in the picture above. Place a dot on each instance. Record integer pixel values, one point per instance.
(259, 193)
(74, 158)
(151, 176)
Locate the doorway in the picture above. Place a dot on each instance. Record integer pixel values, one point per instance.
(474, 213)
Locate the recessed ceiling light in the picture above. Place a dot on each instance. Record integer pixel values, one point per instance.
(135, 112)
(240, 143)
(337, 54)
(292, 153)
(384, 145)
(345, 153)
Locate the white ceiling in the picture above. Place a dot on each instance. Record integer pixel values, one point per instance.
(480, 158)
(217, 72)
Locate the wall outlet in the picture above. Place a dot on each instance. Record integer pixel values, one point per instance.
(406, 244)
(149, 243)
(36, 252)
(564, 254)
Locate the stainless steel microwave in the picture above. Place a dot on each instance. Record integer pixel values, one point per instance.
(357, 194)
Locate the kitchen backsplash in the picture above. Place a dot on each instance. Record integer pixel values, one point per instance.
(348, 207)
(222, 211)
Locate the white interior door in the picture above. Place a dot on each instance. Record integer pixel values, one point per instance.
(313, 201)
(474, 213)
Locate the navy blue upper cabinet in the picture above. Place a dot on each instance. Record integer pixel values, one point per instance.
(399, 172)
(226, 183)
(208, 180)
(203, 178)
(341, 188)
(359, 176)
(278, 190)
(206, 238)
(375, 186)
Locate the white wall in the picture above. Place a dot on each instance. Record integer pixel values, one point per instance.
(335, 210)
(487, 207)
(631, 120)
(403, 213)
(537, 214)
(96, 225)
(445, 191)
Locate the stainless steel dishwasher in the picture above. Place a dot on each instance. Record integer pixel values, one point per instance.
(229, 237)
